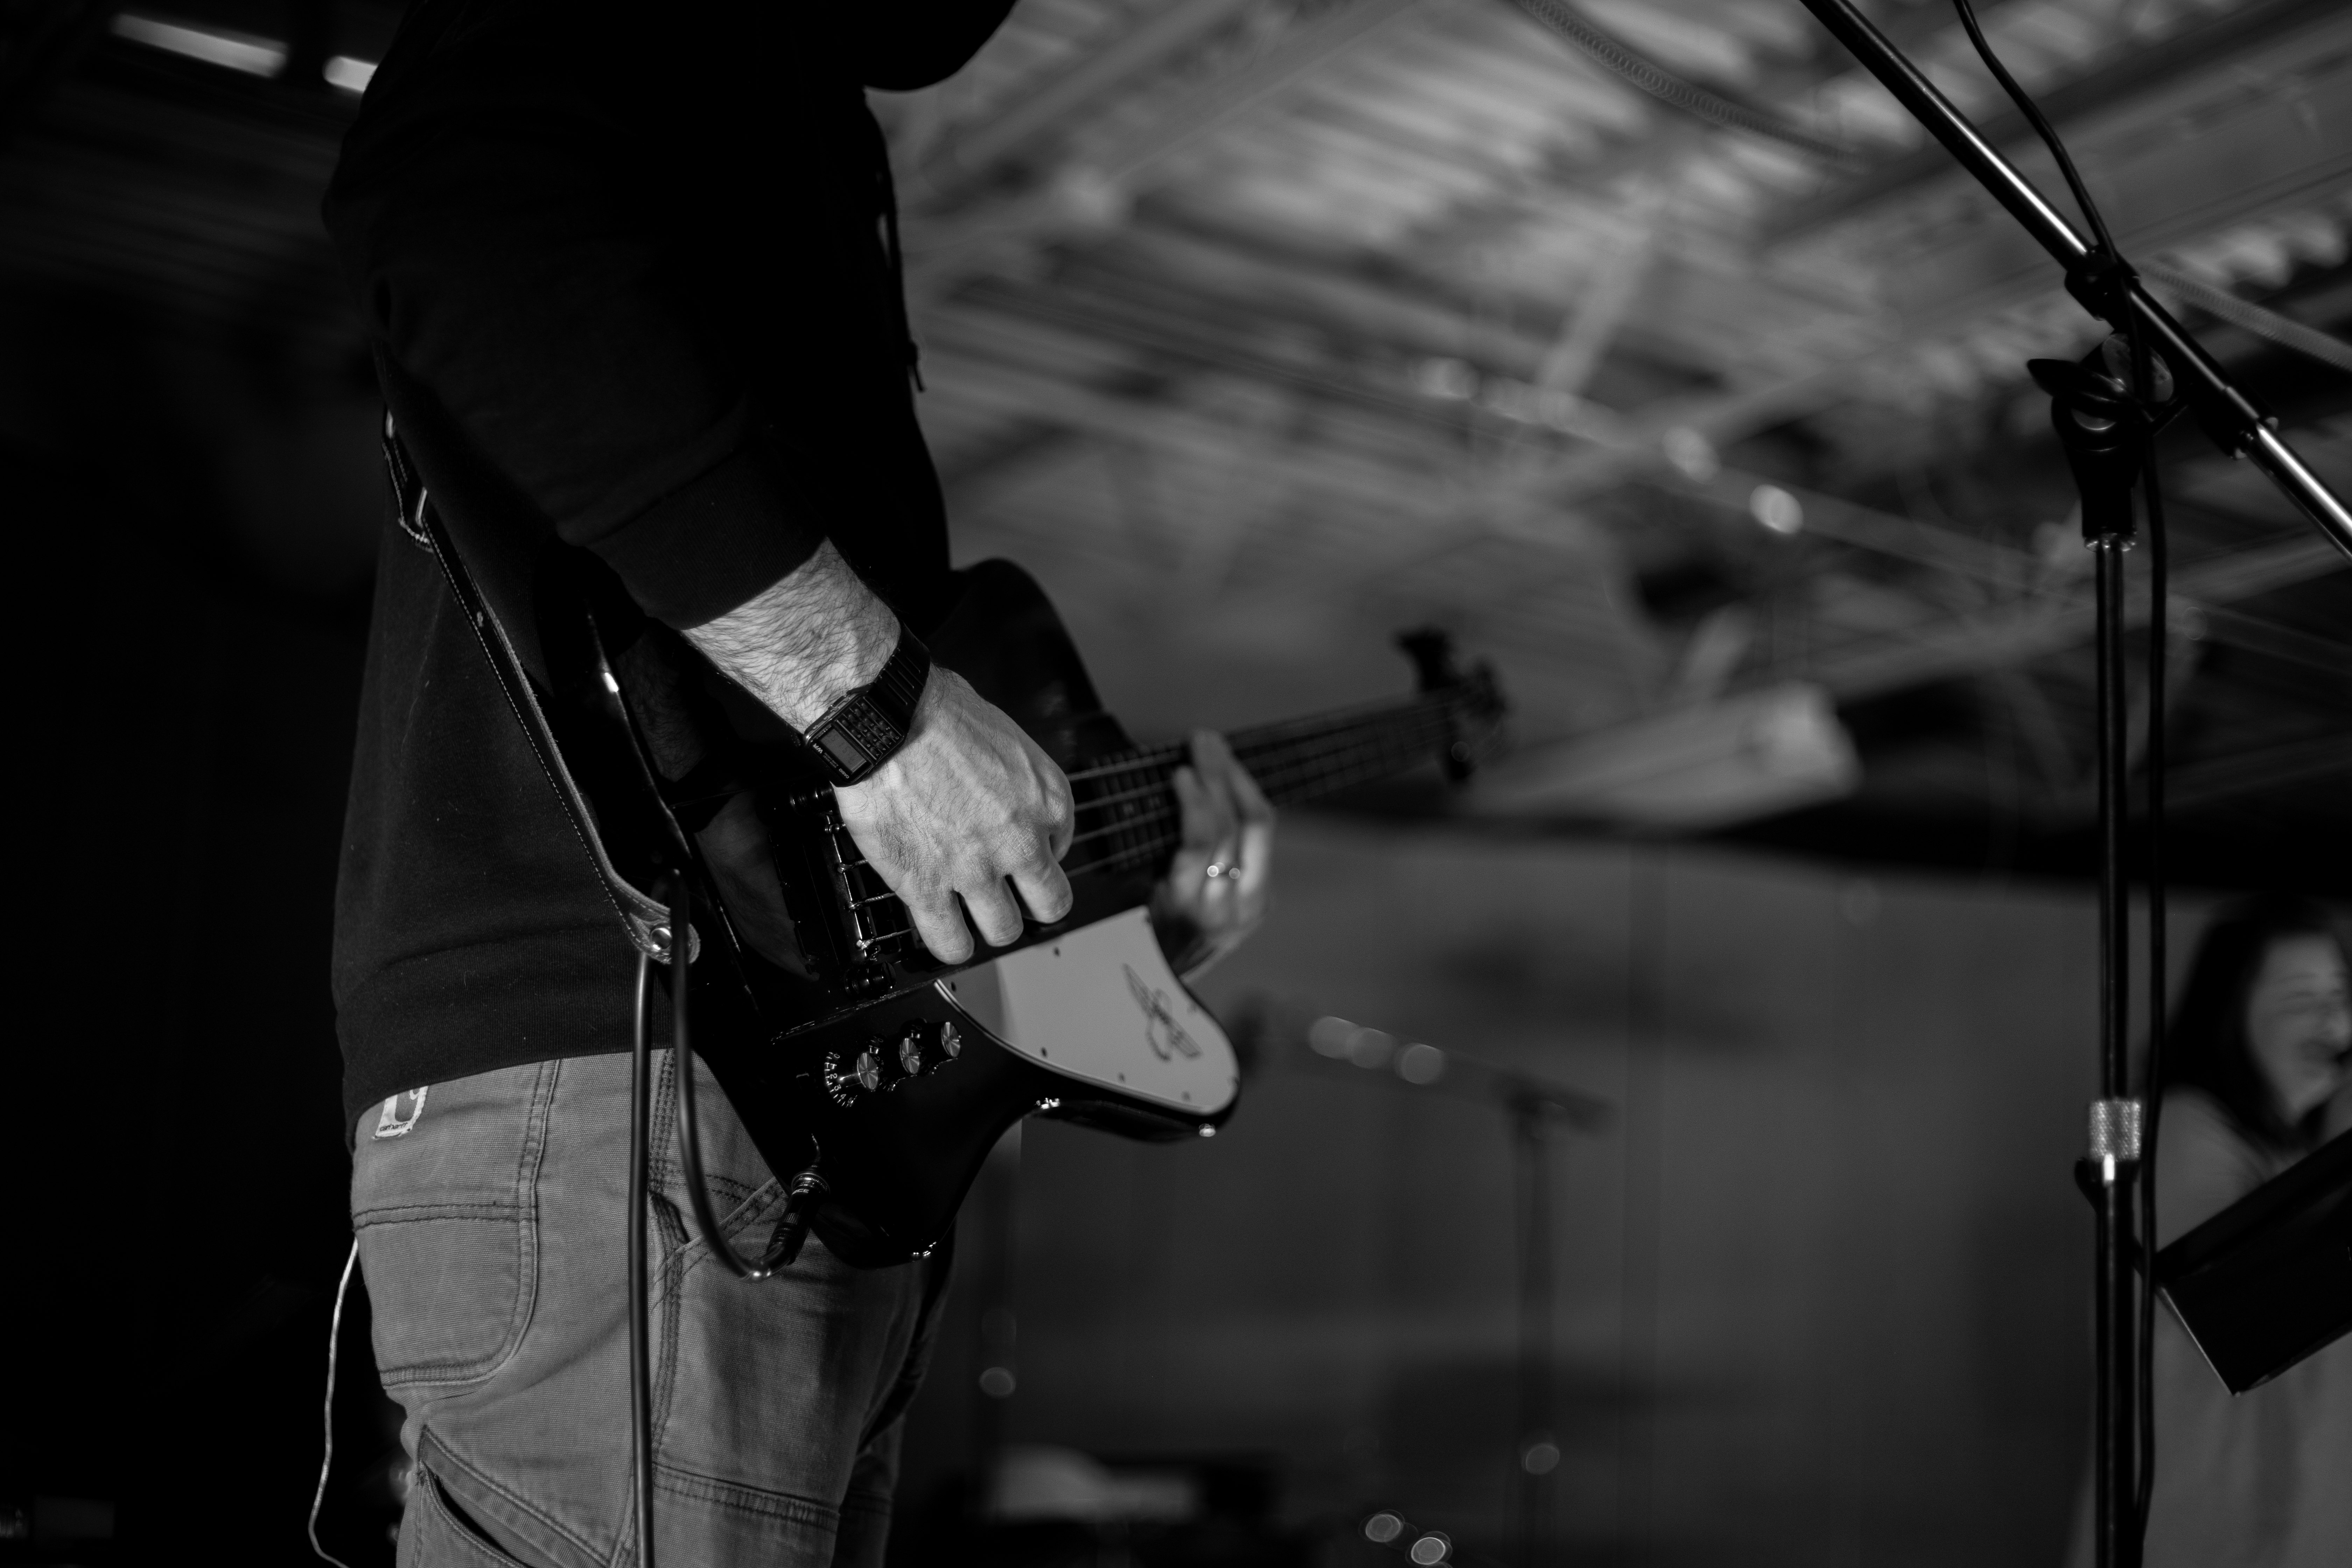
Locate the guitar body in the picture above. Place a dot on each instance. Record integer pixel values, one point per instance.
(840, 1042)
(872, 1078)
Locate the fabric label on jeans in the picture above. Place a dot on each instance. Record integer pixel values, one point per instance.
(392, 1123)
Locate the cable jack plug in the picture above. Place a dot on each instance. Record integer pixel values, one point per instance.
(790, 1234)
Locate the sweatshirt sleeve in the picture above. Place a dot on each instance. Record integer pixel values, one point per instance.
(517, 208)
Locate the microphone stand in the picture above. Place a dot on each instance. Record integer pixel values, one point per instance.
(2106, 415)
(1535, 1107)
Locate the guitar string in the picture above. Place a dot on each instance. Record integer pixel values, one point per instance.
(1153, 787)
(1161, 843)
(1281, 776)
(1370, 754)
(1145, 778)
(1366, 759)
(1146, 849)
(1409, 739)
(1285, 769)
(1146, 844)
(1329, 723)
(1393, 734)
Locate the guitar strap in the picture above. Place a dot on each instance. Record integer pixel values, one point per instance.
(644, 920)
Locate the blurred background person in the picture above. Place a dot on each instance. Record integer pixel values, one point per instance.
(2255, 1078)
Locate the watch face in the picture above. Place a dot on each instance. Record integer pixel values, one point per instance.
(842, 750)
(858, 734)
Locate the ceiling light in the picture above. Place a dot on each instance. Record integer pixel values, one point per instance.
(1691, 453)
(1448, 378)
(1751, 754)
(1328, 1036)
(237, 52)
(351, 74)
(1776, 508)
(1420, 1064)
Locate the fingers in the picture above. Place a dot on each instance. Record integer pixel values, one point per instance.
(996, 902)
(1244, 825)
(1257, 861)
(969, 808)
(1045, 890)
(1205, 810)
(1257, 815)
(1248, 798)
(996, 910)
(941, 928)
(1062, 820)
(993, 911)
(1228, 795)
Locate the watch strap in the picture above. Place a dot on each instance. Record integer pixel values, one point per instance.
(865, 728)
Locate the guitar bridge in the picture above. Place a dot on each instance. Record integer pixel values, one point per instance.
(879, 926)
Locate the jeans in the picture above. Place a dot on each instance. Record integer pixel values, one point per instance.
(492, 1215)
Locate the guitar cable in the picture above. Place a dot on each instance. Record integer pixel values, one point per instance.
(327, 1457)
(784, 1244)
(641, 1393)
(792, 1226)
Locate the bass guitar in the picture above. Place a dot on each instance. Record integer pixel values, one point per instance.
(870, 1075)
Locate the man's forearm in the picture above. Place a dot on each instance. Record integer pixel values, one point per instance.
(967, 809)
(807, 641)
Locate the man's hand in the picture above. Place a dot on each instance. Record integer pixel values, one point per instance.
(968, 805)
(1216, 888)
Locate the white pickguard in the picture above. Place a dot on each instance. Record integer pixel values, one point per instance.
(1101, 1004)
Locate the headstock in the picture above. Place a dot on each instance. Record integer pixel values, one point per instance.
(1475, 705)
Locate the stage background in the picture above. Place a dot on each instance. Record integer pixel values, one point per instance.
(1820, 1290)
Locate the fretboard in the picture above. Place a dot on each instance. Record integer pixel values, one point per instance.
(1127, 807)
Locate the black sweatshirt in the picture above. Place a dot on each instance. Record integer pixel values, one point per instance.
(638, 259)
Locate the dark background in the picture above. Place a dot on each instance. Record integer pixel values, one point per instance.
(1819, 1289)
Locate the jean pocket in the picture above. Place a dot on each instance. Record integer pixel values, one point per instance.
(448, 1229)
(435, 1533)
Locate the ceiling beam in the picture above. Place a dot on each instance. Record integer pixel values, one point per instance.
(963, 151)
(2251, 153)
(2272, 768)
(942, 255)
(1883, 532)
(2260, 635)
(1388, 492)
(2208, 47)
(1981, 643)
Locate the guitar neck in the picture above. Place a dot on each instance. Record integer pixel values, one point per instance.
(1127, 809)
(1305, 757)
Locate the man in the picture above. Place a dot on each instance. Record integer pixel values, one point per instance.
(639, 263)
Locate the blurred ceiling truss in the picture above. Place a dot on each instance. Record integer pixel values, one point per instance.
(1263, 326)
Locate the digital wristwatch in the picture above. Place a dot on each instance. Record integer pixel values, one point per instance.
(865, 729)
